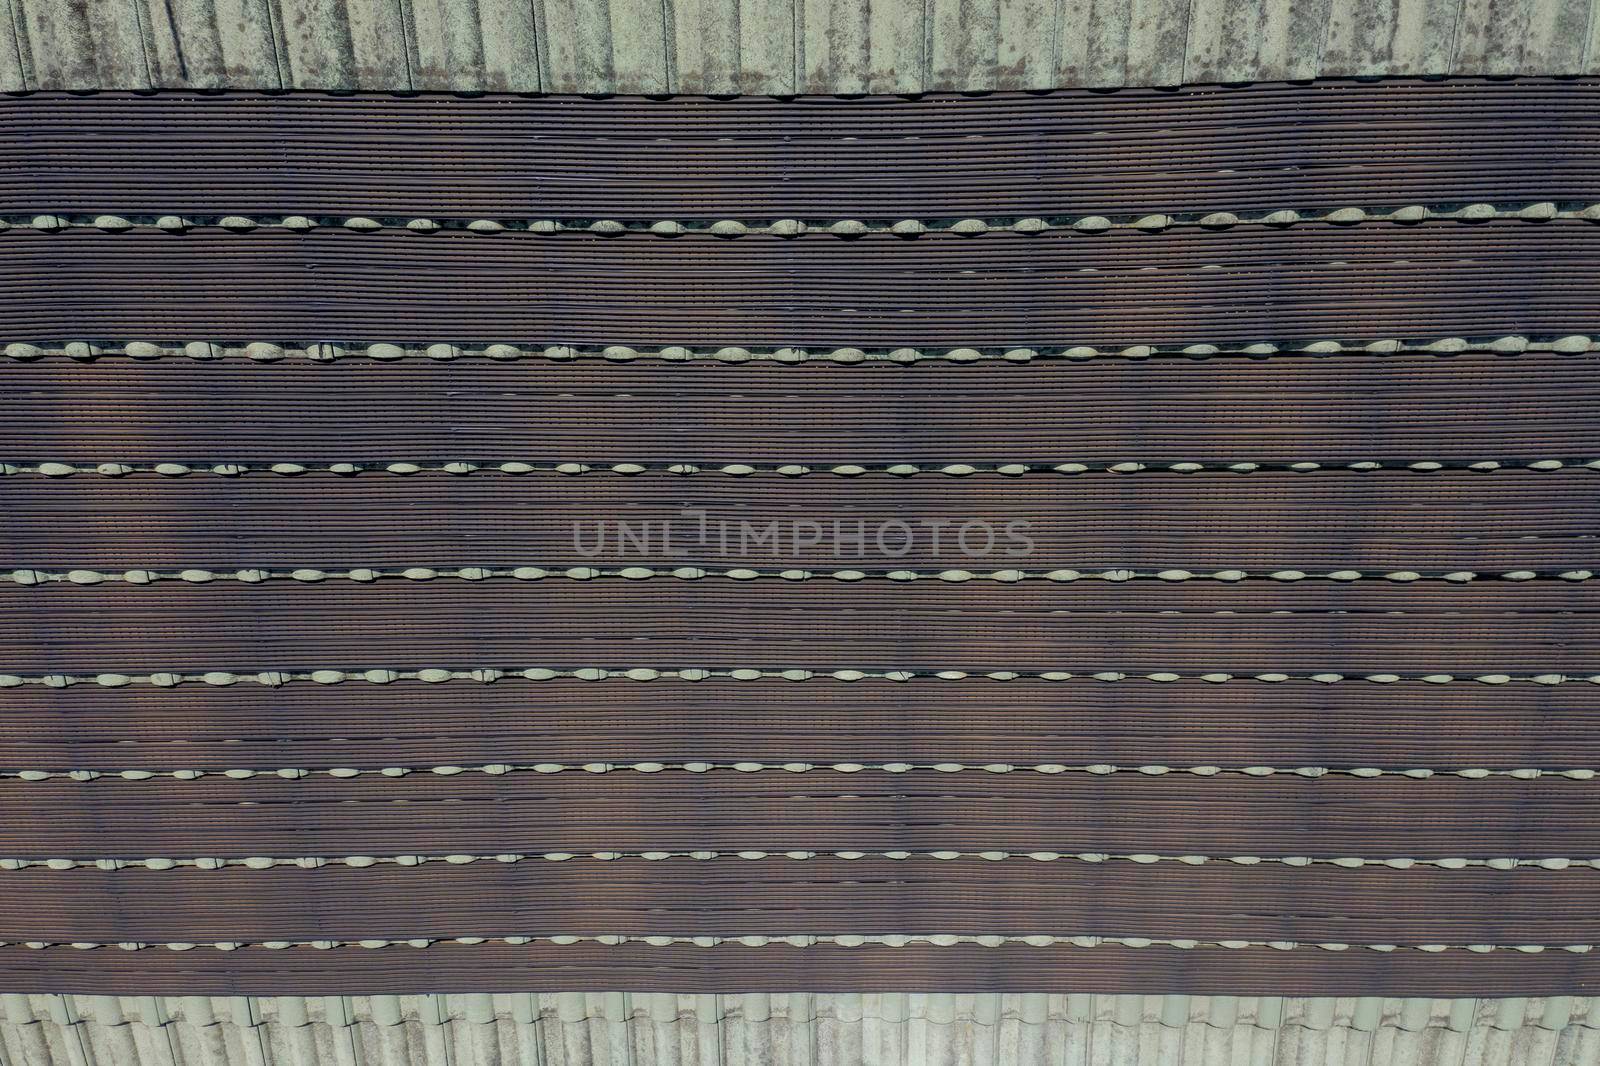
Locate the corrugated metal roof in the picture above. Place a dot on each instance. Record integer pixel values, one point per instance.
(1460, 150)
(1188, 288)
(643, 1029)
(318, 689)
(769, 47)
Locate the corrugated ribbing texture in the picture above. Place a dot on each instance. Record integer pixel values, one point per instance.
(1133, 152)
(816, 811)
(1447, 521)
(777, 968)
(879, 291)
(736, 897)
(623, 1028)
(1260, 663)
(1133, 722)
(1499, 628)
(774, 46)
(1473, 407)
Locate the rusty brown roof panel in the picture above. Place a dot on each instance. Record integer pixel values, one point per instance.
(1361, 628)
(1332, 409)
(1006, 289)
(738, 897)
(925, 720)
(1506, 521)
(1193, 150)
(688, 968)
(819, 810)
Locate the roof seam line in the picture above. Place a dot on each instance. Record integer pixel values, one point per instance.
(1113, 575)
(263, 862)
(1360, 773)
(1412, 215)
(54, 469)
(491, 674)
(803, 940)
(327, 351)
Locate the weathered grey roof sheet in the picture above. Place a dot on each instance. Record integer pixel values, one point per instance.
(772, 47)
(620, 1029)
